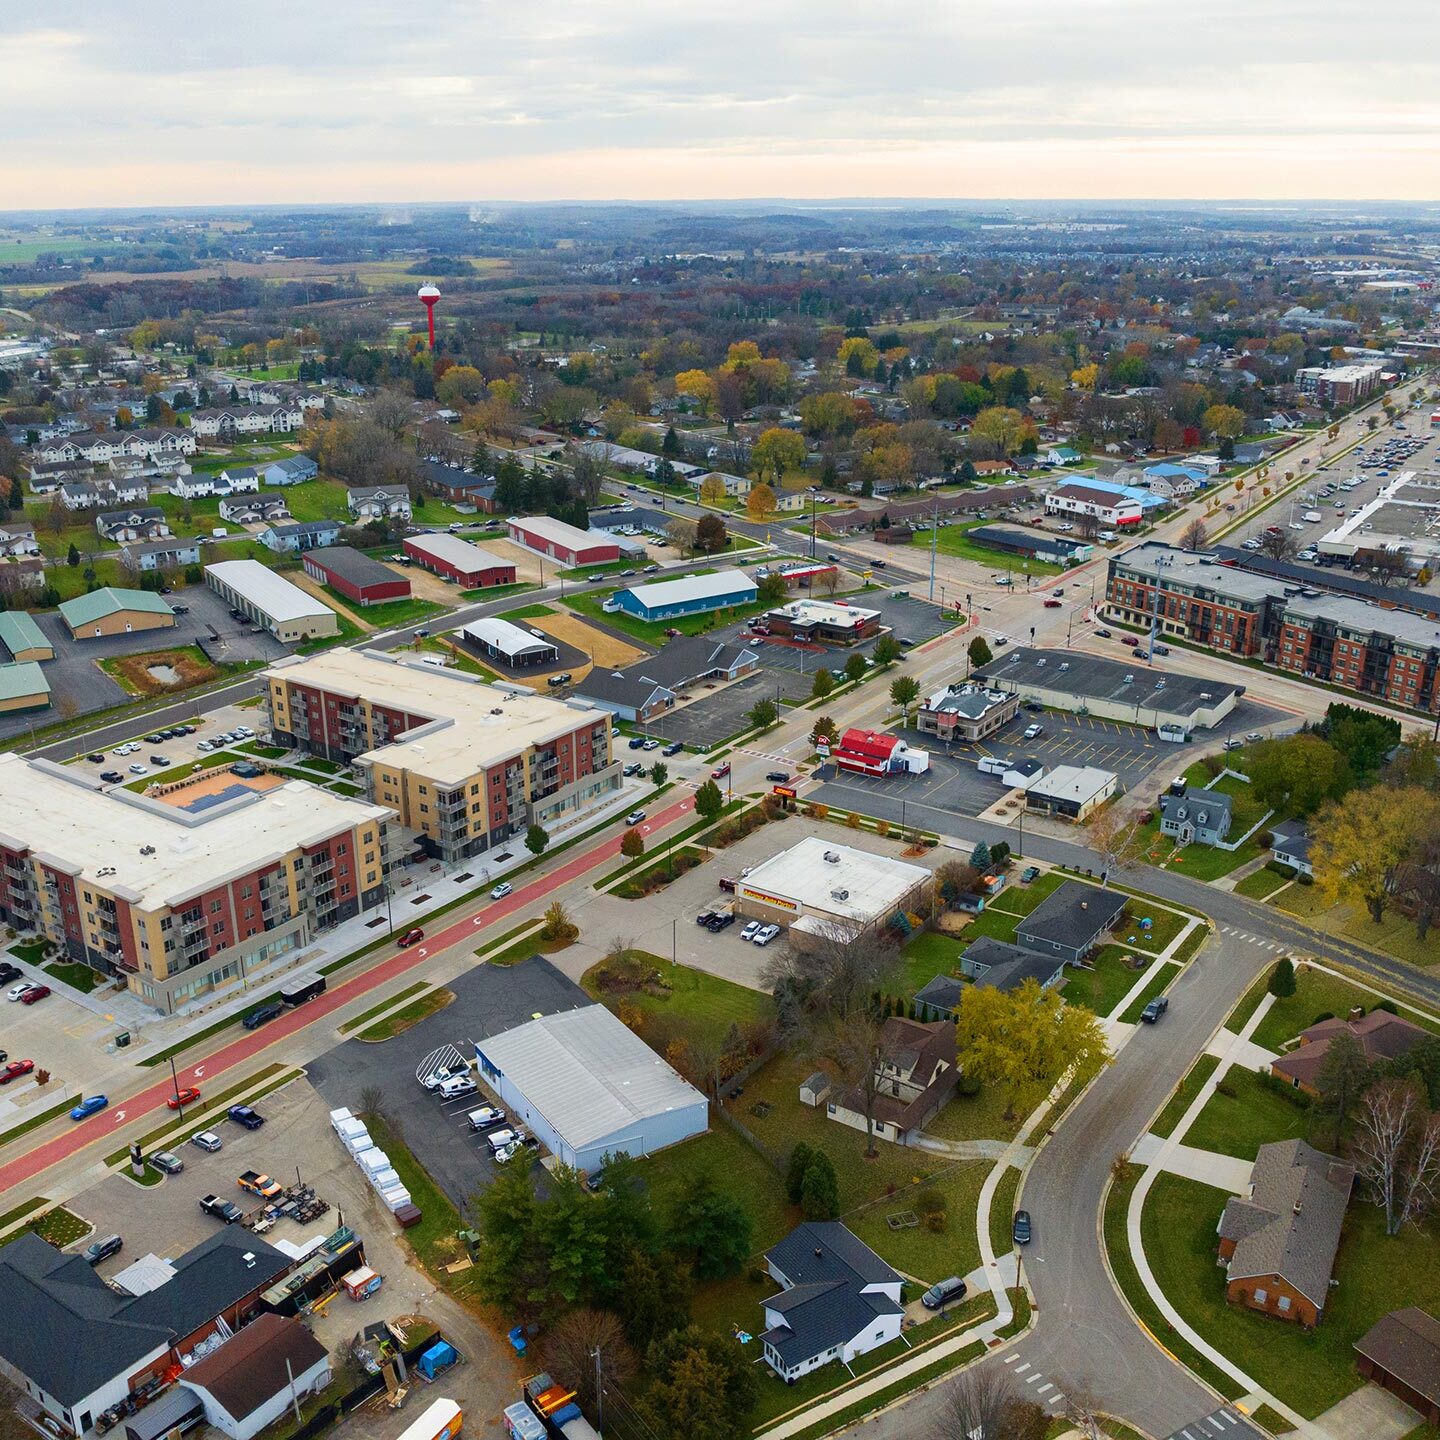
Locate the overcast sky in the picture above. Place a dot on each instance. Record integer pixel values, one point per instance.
(134, 102)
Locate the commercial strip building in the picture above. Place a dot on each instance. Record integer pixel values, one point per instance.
(1391, 654)
(822, 890)
(452, 558)
(109, 611)
(509, 644)
(355, 575)
(565, 543)
(1077, 498)
(588, 1087)
(1126, 690)
(688, 595)
(181, 902)
(820, 622)
(1033, 544)
(966, 712)
(1070, 792)
(1402, 521)
(289, 613)
(877, 752)
(649, 687)
(465, 765)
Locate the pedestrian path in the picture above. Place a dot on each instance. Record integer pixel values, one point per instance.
(1246, 1052)
(972, 1149)
(1250, 939)
(1225, 1172)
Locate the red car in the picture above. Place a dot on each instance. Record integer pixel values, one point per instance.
(15, 1069)
(411, 937)
(1129, 640)
(36, 992)
(188, 1095)
(720, 771)
(1054, 604)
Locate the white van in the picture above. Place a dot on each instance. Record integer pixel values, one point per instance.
(499, 1139)
(456, 1086)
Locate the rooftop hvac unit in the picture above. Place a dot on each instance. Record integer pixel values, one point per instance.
(1130, 679)
(839, 894)
(1205, 695)
(1160, 684)
(832, 857)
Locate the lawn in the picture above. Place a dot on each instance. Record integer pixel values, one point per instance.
(925, 956)
(1102, 988)
(1165, 927)
(1159, 981)
(1239, 1122)
(1308, 1371)
(407, 1016)
(383, 1006)
(346, 632)
(460, 660)
(1395, 935)
(1184, 1095)
(652, 632)
(975, 1117)
(59, 1226)
(318, 499)
(1002, 1211)
(1316, 993)
(392, 613)
(1261, 884)
(955, 540)
(526, 612)
(697, 1006)
(917, 1251)
(1017, 899)
(497, 592)
(82, 977)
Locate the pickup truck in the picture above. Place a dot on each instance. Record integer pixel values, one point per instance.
(244, 1115)
(1154, 1010)
(258, 1184)
(221, 1209)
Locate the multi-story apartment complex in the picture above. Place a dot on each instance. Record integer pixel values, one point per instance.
(1375, 650)
(181, 902)
(464, 764)
(1339, 384)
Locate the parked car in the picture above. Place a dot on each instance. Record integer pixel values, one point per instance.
(720, 921)
(637, 742)
(1033, 732)
(633, 768)
(501, 890)
(244, 1115)
(167, 1163)
(944, 1293)
(186, 1095)
(103, 1249)
(485, 1117)
(751, 930)
(1021, 1231)
(15, 1069)
(634, 817)
(1131, 640)
(256, 1018)
(34, 993)
(98, 758)
(720, 771)
(651, 744)
(224, 1210)
(89, 1106)
(458, 1085)
(1154, 1010)
(766, 935)
(436, 1078)
(778, 777)
(258, 1183)
(208, 1141)
(9, 972)
(673, 748)
(413, 936)
(111, 777)
(20, 990)
(1158, 649)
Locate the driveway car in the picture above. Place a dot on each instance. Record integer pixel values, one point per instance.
(187, 1095)
(1029, 873)
(944, 1293)
(166, 1163)
(89, 1106)
(207, 1140)
(413, 936)
(103, 1249)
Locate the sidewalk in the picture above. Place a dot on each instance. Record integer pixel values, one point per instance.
(1225, 1172)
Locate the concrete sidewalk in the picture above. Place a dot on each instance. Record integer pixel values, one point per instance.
(1225, 1172)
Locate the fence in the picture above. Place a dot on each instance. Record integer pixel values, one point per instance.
(352, 1400)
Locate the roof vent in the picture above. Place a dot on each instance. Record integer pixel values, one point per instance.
(832, 857)
(1041, 661)
(839, 894)
(1064, 664)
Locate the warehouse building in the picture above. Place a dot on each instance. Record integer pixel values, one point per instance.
(1123, 690)
(588, 1087)
(256, 1376)
(23, 687)
(23, 638)
(451, 558)
(820, 889)
(270, 601)
(1071, 792)
(109, 611)
(689, 595)
(509, 645)
(558, 541)
(1033, 544)
(820, 622)
(355, 575)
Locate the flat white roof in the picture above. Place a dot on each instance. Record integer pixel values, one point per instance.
(100, 835)
(455, 551)
(825, 612)
(588, 1074)
(558, 531)
(511, 640)
(474, 724)
(693, 587)
(1073, 782)
(267, 591)
(803, 876)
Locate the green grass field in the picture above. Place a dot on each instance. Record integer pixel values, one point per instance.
(955, 540)
(1240, 1122)
(1316, 994)
(652, 632)
(695, 1005)
(1395, 935)
(391, 614)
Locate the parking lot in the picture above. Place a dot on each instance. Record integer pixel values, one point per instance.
(487, 1000)
(79, 686)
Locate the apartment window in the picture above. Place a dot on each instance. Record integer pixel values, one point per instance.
(215, 907)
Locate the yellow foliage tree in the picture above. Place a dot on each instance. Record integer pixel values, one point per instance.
(1359, 842)
(1086, 376)
(858, 355)
(760, 502)
(1227, 422)
(712, 490)
(698, 386)
(777, 451)
(1004, 426)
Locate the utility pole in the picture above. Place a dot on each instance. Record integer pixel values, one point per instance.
(934, 542)
(599, 1395)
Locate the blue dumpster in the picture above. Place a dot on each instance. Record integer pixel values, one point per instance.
(438, 1357)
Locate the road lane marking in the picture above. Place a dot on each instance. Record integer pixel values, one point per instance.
(1022, 1368)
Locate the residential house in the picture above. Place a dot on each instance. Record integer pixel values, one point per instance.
(46, 478)
(242, 479)
(238, 480)
(293, 470)
(161, 554)
(18, 538)
(145, 522)
(1380, 1035)
(1400, 1353)
(1290, 845)
(1070, 922)
(297, 536)
(991, 962)
(916, 1076)
(378, 502)
(251, 509)
(228, 423)
(459, 486)
(101, 447)
(838, 1300)
(1062, 455)
(1196, 816)
(1278, 1244)
(94, 495)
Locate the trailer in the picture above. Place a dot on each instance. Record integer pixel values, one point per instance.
(302, 988)
(440, 1421)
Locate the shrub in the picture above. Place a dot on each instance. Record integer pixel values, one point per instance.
(1225, 1088)
(1304, 879)
(930, 1202)
(882, 828)
(1265, 839)
(968, 1086)
(1388, 1006)
(853, 820)
(1323, 1015)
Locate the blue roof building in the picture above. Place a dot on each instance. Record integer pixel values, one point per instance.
(1148, 500)
(689, 595)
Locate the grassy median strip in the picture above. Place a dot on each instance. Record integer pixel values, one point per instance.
(26, 1125)
(213, 1109)
(412, 1014)
(21, 1211)
(1157, 983)
(1191, 944)
(1185, 1093)
(383, 1006)
(1002, 1211)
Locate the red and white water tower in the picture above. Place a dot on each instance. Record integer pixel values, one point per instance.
(429, 296)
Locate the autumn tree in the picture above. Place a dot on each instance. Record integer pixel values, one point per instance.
(1224, 422)
(1359, 842)
(1297, 773)
(712, 490)
(1114, 836)
(776, 453)
(570, 1345)
(1023, 1041)
(632, 844)
(904, 691)
(1396, 1150)
(1004, 427)
(1277, 544)
(460, 385)
(760, 502)
(697, 386)
(711, 536)
(1195, 535)
(850, 1047)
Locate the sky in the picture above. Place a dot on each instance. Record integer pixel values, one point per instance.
(134, 102)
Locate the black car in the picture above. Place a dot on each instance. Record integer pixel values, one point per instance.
(1154, 1010)
(103, 1249)
(705, 918)
(636, 741)
(154, 739)
(778, 776)
(9, 972)
(244, 1115)
(1021, 1231)
(256, 1018)
(673, 748)
(159, 760)
(180, 609)
(98, 758)
(111, 777)
(721, 921)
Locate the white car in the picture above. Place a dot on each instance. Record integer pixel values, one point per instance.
(634, 817)
(138, 769)
(748, 933)
(1002, 639)
(203, 745)
(20, 989)
(206, 1140)
(506, 1153)
(1033, 732)
(244, 730)
(501, 890)
(436, 1078)
(765, 936)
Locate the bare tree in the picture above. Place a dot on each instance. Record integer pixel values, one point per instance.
(985, 1402)
(588, 473)
(838, 967)
(1195, 535)
(1277, 544)
(851, 1049)
(391, 411)
(570, 1348)
(681, 534)
(1397, 1150)
(1114, 835)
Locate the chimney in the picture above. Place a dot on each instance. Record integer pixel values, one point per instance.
(1357, 1012)
(1084, 904)
(819, 1253)
(1295, 1209)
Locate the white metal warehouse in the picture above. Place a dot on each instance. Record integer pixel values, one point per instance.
(588, 1087)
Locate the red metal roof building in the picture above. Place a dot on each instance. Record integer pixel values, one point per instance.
(869, 752)
(355, 575)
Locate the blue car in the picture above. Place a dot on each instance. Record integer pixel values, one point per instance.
(89, 1105)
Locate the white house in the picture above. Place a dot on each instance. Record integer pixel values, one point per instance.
(378, 502)
(100, 447)
(1080, 499)
(85, 495)
(227, 422)
(252, 1379)
(838, 1300)
(237, 481)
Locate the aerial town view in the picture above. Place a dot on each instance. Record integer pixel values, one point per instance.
(719, 725)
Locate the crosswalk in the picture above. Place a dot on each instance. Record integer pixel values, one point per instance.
(1250, 939)
(1038, 1388)
(1223, 1424)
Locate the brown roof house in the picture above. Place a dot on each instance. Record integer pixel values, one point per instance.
(1400, 1352)
(1382, 1036)
(1278, 1246)
(917, 1074)
(248, 1381)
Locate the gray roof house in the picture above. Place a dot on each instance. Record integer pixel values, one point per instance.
(652, 685)
(160, 554)
(297, 536)
(144, 522)
(987, 961)
(839, 1299)
(293, 470)
(378, 502)
(1070, 922)
(1290, 845)
(1199, 816)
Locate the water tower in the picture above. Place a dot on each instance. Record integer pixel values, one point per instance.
(429, 295)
